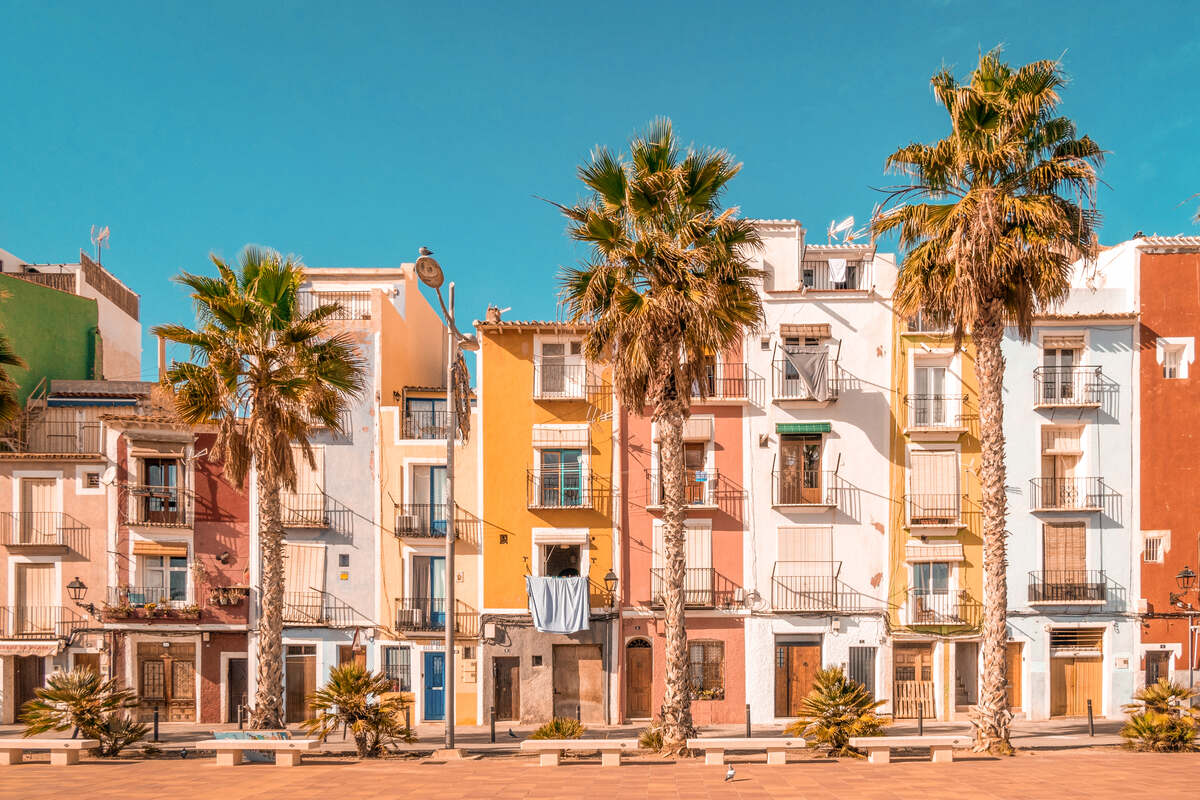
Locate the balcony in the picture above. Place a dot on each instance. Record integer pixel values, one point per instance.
(943, 608)
(304, 510)
(926, 321)
(422, 520)
(559, 381)
(703, 587)
(432, 425)
(801, 586)
(157, 506)
(319, 609)
(351, 305)
(934, 510)
(43, 531)
(934, 417)
(816, 275)
(728, 382)
(1068, 387)
(40, 433)
(426, 614)
(805, 489)
(143, 603)
(39, 622)
(1067, 494)
(805, 374)
(1068, 587)
(567, 489)
(700, 488)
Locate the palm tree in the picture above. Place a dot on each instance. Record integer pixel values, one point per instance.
(264, 373)
(668, 283)
(990, 220)
(10, 407)
(363, 703)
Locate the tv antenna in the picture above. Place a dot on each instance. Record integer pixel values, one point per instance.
(100, 240)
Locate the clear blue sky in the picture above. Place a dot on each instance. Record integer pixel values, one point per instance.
(352, 133)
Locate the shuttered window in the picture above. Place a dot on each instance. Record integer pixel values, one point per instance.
(1062, 440)
(304, 569)
(697, 548)
(805, 550)
(933, 486)
(1064, 548)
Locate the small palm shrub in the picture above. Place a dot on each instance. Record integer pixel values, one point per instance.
(836, 710)
(83, 701)
(363, 703)
(1161, 719)
(560, 728)
(651, 737)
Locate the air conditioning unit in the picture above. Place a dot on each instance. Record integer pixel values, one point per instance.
(407, 523)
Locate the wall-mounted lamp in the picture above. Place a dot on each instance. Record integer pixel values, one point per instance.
(76, 590)
(610, 583)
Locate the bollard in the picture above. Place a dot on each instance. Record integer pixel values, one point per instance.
(577, 715)
(1091, 721)
(156, 723)
(492, 723)
(920, 719)
(408, 717)
(748, 734)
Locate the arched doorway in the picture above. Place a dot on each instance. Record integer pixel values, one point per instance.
(639, 678)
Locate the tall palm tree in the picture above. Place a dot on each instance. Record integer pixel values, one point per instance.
(990, 220)
(667, 284)
(10, 406)
(264, 373)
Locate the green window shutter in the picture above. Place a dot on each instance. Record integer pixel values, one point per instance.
(803, 427)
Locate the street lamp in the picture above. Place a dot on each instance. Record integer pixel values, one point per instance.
(76, 589)
(610, 583)
(430, 273)
(1186, 580)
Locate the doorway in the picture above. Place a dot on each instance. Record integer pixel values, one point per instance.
(966, 675)
(350, 654)
(912, 686)
(236, 687)
(800, 469)
(1076, 671)
(578, 682)
(300, 679)
(167, 672)
(796, 665)
(435, 686)
(639, 679)
(1013, 656)
(29, 673)
(1158, 666)
(88, 661)
(506, 674)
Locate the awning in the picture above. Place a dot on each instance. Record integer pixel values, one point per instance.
(176, 549)
(915, 552)
(141, 448)
(30, 648)
(695, 429)
(803, 427)
(817, 331)
(1074, 342)
(560, 436)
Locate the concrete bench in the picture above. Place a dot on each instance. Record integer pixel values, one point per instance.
(879, 748)
(287, 751)
(777, 748)
(549, 750)
(63, 752)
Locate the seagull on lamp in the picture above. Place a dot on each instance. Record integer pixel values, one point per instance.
(425, 251)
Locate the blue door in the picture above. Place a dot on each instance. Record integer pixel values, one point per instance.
(435, 686)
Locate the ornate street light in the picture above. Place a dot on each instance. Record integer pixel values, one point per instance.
(1186, 579)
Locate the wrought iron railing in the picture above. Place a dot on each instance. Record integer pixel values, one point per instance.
(819, 276)
(935, 410)
(794, 587)
(141, 596)
(934, 508)
(313, 608)
(727, 381)
(426, 424)
(1068, 586)
(39, 622)
(352, 305)
(422, 519)
(422, 613)
(564, 489)
(942, 607)
(559, 381)
(306, 510)
(700, 487)
(1067, 494)
(805, 373)
(703, 587)
(166, 506)
(38, 528)
(804, 487)
(1068, 386)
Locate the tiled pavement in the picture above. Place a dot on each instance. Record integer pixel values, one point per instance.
(1093, 773)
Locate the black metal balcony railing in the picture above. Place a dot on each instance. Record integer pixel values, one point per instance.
(313, 608)
(39, 622)
(805, 487)
(1067, 494)
(141, 596)
(726, 381)
(308, 510)
(1068, 586)
(818, 276)
(422, 519)
(703, 587)
(167, 506)
(942, 607)
(36, 434)
(558, 381)
(811, 592)
(934, 508)
(1068, 386)
(935, 410)
(563, 489)
(352, 305)
(699, 487)
(805, 373)
(426, 424)
(421, 614)
(926, 321)
(38, 528)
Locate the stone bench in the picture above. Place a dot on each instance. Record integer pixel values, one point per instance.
(287, 751)
(549, 750)
(879, 748)
(777, 747)
(63, 752)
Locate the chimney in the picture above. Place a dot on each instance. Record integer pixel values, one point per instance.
(162, 358)
(493, 314)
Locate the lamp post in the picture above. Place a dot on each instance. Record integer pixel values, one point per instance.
(1186, 580)
(76, 589)
(430, 273)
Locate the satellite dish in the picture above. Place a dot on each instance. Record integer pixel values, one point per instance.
(110, 475)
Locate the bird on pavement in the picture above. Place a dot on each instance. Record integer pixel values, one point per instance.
(513, 735)
(183, 752)
(425, 251)
(729, 773)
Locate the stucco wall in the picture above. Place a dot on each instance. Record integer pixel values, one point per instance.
(54, 332)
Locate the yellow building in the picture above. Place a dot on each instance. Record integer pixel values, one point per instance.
(411, 600)
(546, 506)
(935, 550)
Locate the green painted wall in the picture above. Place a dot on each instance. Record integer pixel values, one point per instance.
(55, 332)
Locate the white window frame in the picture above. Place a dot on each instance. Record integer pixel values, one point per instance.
(1163, 538)
(81, 487)
(580, 537)
(1182, 346)
(141, 573)
(569, 359)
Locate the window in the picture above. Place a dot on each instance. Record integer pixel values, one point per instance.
(706, 662)
(1175, 353)
(343, 559)
(929, 394)
(161, 501)
(1064, 552)
(560, 369)
(425, 418)
(429, 499)
(560, 560)
(164, 579)
(1172, 360)
(397, 669)
(800, 479)
(1152, 548)
(1060, 373)
(931, 579)
(91, 480)
(699, 588)
(933, 487)
(695, 479)
(560, 479)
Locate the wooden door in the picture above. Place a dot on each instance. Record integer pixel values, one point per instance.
(236, 687)
(349, 654)
(639, 679)
(796, 666)
(29, 673)
(912, 686)
(89, 661)
(37, 507)
(167, 681)
(1073, 681)
(301, 680)
(506, 673)
(578, 682)
(1012, 655)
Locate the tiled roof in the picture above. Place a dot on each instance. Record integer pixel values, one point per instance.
(1170, 241)
(530, 325)
(95, 388)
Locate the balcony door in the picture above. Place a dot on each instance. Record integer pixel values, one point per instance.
(1059, 365)
(800, 469)
(164, 579)
(933, 487)
(699, 578)
(425, 418)
(695, 492)
(1064, 555)
(429, 589)
(929, 385)
(561, 369)
(37, 600)
(161, 476)
(429, 497)
(37, 523)
(561, 477)
(931, 593)
(1061, 454)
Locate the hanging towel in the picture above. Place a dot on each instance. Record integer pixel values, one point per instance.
(837, 270)
(559, 605)
(809, 364)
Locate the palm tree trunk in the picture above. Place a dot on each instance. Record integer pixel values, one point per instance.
(992, 716)
(676, 708)
(268, 696)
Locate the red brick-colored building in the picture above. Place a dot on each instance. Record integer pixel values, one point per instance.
(1169, 297)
